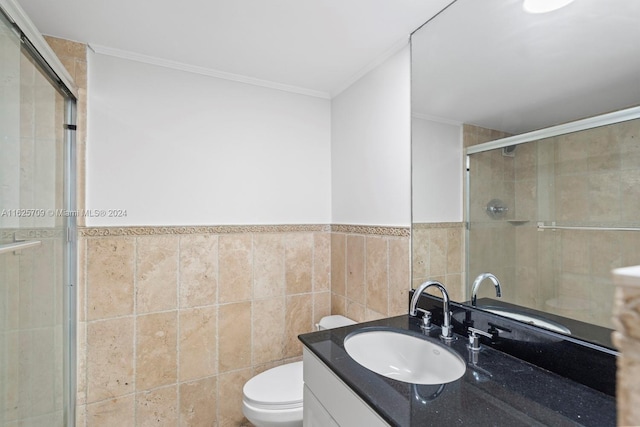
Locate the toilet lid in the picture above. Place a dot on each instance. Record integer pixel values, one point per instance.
(280, 386)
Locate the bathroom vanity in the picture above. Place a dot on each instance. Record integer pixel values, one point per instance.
(497, 389)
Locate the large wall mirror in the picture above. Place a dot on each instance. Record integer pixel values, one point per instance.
(534, 117)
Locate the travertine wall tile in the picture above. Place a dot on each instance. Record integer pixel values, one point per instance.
(338, 264)
(268, 265)
(198, 270)
(110, 267)
(156, 350)
(298, 263)
(321, 262)
(157, 407)
(234, 336)
(230, 397)
(198, 403)
(268, 330)
(156, 273)
(197, 343)
(235, 268)
(377, 274)
(399, 276)
(355, 268)
(298, 320)
(110, 359)
(119, 411)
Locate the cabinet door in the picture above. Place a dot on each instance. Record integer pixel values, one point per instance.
(342, 404)
(314, 413)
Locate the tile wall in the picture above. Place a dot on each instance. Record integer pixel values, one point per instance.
(370, 271)
(438, 254)
(588, 179)
(175, 320)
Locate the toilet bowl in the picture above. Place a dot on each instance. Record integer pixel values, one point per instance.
(274, 397)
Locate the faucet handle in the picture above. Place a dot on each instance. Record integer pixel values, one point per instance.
(426, 319)
(474, 341)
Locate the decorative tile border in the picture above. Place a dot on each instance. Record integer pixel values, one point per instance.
(372, 230)
(198, 229)
(231, 229)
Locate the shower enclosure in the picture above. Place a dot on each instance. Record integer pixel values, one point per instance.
(37, 231)
(552, 212)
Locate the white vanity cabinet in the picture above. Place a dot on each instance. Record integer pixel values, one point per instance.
(328, 402)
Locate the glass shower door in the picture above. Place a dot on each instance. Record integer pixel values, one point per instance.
(33, 241)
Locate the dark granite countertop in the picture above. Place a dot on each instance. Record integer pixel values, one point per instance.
(496, 390)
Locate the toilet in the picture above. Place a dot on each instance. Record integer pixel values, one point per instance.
(274, 397)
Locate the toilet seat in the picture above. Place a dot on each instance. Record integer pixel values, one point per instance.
(278, 388)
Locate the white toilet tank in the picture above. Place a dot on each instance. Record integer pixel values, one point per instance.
(264, 400)
(334, 321)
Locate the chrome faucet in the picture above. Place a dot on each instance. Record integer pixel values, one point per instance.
(447, 330)
(476, 285)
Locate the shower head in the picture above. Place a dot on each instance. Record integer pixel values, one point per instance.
(509, 151)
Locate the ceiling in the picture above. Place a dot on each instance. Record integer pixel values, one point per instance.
(491, 64)
(315, 45)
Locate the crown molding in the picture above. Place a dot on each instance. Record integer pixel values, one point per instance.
(175, 65)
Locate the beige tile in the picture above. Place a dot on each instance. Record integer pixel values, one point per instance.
(81, 363)
(630, 194)
(572, 198)
(113, 412)
(355, 268)
(338, 304)
(82, 280)
(377, 275)
(338, 263)
(158, 407)
(198, 270)
(298, 263)
(321, 306)
(63, 47)
(268, 265)
(156, 273)
(322, 262)
(197, 343)
(81, 415)
(438, 252)
(236, 270)
(234, 336)
(420, 253)
(230, 398)
(399, 276)
(198, 403)
(110, 266)
(298, 320)
(455, 248)
(603, 150)
(605, 252)
(604, 196)
(355, 311)
(156, 350)
(268, 330)
(110, 361)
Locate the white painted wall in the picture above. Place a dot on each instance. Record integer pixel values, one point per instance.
(178, 148)
(437, 171)
(370, 147)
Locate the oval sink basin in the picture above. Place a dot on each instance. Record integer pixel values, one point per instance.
(404, 357)
(532, 320)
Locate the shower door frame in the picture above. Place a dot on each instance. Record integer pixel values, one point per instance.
(41, 53)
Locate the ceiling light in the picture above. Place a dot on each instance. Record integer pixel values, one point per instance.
(543, 6)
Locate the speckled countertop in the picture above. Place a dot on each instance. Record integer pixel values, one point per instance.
(497, 390)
